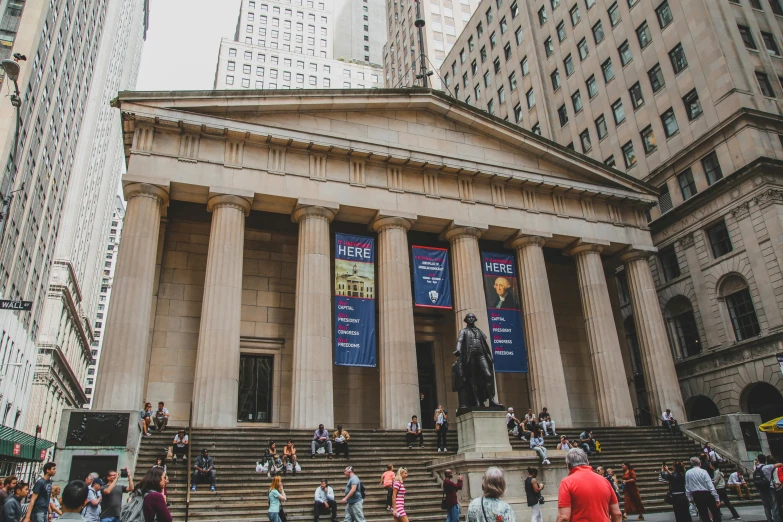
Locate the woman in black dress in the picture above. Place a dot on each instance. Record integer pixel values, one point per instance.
(676, 480)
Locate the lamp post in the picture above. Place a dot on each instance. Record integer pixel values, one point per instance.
(12, 69)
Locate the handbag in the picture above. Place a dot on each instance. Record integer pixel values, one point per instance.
(443, 504)
(282, 514)
(669, 498)
(169, 452)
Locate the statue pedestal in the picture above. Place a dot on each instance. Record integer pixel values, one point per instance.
(481, 431)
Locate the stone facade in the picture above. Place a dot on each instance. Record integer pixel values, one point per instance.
(410, 166)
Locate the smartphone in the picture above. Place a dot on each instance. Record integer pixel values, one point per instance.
(124, 473)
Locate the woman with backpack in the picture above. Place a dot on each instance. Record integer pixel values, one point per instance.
(276, 495)
(151, 491)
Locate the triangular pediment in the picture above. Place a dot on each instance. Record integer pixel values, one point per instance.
(421, 126)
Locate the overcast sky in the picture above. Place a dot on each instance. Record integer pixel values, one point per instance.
(183, 41)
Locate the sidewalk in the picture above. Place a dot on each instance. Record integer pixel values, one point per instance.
(748, 514)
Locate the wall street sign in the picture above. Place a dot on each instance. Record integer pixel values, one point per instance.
(24, 306)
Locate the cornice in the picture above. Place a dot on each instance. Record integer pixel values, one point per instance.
(72, 386)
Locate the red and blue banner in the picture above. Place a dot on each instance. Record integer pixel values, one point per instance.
(431, 277)
(506, 332)
(354, 301)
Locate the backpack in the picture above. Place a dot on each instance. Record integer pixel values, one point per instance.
(362, 491)
(760, 480)
(133, 509)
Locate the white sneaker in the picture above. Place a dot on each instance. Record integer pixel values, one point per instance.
(546, 462)
(438, 450)
(445, 450)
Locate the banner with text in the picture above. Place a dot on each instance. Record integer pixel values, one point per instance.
(506, 333)
(354, 301)
(431, 278)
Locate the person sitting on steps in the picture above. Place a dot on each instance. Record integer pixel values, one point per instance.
(414, 432)
(203, 470)
(180, 448)
(289, 456)
(340, 440)
(321, 440)
(324, 498)
(546, 422)
(669, 422)
(271, 459)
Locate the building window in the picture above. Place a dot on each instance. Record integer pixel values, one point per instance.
(232, 52)
(628, 155)
(525, 67)
(491, 106)
(507, 51)
(664, 14)
(492, 40)
(465, 80)
(636, 96)
(518, 35)
(575, 16)
(496, 65)
(514, 10)
(687, 185)
(598, 32)
(486, 79)
(471, 44)
(644, 35)
(548, 47)
(648, 139)
(719, 239)
(756, 4)
(584, 138)
(555, 76)
(677, 56)
(711, 168)
(576, 98)
(582, 47)
(743, 315)
(601, 128)
(766, 87)
(608, 70)
(618, 112)
(229, 80)
(531, 99)
(483, 53)
(489, 16)
(685, 326)
(231, 66)
(747, 37)
(542, 16)
(692, 105)
(656, 78)
(554, 3)
(614, 14)
(536, 129)
(517, 113)
(561, 31)
(625, 53)
(477, 91)
(589, 3)
(512, 81)
(473, 67)
(479, 32)
(610, 162)
(775, 5)
(569, 65)
(770, 44)
(670, 127)
(669, 264)
(502, 95)
(592, 87)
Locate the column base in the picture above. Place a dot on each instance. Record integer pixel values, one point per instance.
(469, 409)
(481, 431)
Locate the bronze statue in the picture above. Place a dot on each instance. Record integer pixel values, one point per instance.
(473, 374)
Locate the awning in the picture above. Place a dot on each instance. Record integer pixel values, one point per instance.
(773, 426)
(18, 445)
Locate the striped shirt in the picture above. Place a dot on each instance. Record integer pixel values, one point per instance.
(399, 505)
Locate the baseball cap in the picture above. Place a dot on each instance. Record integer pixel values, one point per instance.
(99, 482)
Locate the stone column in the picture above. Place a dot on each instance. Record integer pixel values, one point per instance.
(397, 351)
(660, 376)
(614, 399)
(547, 378)
(216, 381)
(126, 348)
(312, 395)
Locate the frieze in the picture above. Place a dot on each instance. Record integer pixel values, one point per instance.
(687, 240)
(769, 197)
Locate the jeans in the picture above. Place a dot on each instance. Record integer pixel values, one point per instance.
(541, 452)
(389, 491)
(545, 425)
(586, 447)
(39, 515)
(770, 505)
(321, 444)
(160, 422)
(274, 517)
(442, 432)
(203, 477)
(318, 506)
(412, 437)
(452, 515)
(111, 519)
(724, 501)
(354, 512)
(672, 426)
(536, 514)
(705, 504)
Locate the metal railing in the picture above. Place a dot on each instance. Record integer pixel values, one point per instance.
(722, 453)
(187, 470)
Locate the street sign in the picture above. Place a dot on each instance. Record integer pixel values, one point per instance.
(17, 449)
(6, 304)
(43, 454)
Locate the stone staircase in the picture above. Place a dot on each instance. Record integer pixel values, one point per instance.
(242, 493)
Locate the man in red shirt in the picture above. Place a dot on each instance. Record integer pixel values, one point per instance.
(585, 496)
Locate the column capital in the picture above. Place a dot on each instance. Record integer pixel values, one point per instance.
(229, 200)
(583, 245)
(457, 229)
(148, 190)
(384, 219)
(314, 207)
(633, 252)
(524, 238)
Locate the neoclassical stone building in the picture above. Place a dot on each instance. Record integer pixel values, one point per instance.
(223, 290)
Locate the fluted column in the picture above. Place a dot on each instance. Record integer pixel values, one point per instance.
(397, 362)
(547, 378)
(312, 394)
(660, 376)
(216, 381)
(125, 352)
(614, 399)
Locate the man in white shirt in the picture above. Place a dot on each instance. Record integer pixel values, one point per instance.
(511, 420)
(160, 417)
(701, 491)
(737, 484)
(414, 432)
(669, 421)
(324, 498)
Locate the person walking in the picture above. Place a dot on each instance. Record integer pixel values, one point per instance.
(701, 491)
(537, 445)
(585, 496)
(55, 505)
(111, 501)
(387, 481)
(720, 486)
(489, 507)
(450, 489)
(398, 496)
(633, 500)
(441, 418)
(38, 510)
(151, 488)
(353, 500)
(533, 494)
(73, 501)
(762, 479)
(12, 509)
(676, 480)
(276, 495)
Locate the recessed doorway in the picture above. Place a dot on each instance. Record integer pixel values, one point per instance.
(428, 389)
(255, 388)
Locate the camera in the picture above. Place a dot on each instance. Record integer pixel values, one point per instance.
(124, 473)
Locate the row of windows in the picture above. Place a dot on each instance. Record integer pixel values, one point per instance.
(286, 76)
(756, 4)
(287, 23)
(248, 69)
(275, 9)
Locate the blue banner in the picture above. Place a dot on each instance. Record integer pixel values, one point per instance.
(354, 301)
(431, 278)
(506, 332)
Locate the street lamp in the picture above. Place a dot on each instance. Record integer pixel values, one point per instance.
(11, 68)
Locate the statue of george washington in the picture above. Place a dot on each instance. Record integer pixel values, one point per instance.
(473, 373)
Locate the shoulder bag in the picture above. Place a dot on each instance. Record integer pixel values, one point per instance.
(443, 504)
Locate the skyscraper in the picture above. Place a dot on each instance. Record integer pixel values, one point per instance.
(687, 97)
(291, 45)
